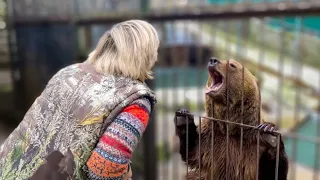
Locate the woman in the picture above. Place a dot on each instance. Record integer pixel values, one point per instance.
(90, 117)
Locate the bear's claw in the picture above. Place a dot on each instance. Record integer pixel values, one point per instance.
(183, 117)
(268, 136)
(267, 127)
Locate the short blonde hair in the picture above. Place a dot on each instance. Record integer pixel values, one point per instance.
(129, 49)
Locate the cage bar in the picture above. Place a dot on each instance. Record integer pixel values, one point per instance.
(175, 78)
(227, 117)
(277, 158)
(187, 146)
(317, 145)
(258, 155)
(297, 72)
(200, 147)
(212, 142)
(281, 68)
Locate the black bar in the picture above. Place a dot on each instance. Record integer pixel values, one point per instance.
(149, 143)
(258, 155)
(277, 158)
(200, 158)
(187, 146)
(230, 11)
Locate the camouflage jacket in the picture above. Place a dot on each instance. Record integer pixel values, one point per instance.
(70, 114)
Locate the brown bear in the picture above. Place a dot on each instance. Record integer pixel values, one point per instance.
(214, 149)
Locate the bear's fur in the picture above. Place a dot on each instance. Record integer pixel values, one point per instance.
(219, 160)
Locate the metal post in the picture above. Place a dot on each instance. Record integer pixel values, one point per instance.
(149, 143)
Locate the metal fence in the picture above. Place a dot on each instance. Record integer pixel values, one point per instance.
(271, 39)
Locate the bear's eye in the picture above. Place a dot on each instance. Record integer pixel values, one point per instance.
(233, 65)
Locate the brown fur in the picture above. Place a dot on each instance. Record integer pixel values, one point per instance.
(220, 160)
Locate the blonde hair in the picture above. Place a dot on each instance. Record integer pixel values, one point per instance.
(129, 49)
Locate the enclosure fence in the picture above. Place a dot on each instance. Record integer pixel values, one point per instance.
(277, 41)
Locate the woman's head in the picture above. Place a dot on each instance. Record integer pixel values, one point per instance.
(128, 49)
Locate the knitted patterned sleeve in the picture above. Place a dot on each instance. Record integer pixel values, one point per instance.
(111, 157)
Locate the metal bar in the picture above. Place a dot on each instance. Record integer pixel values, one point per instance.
(242, 117)
(277, 158)
(297, 71)
(227, 34)
(200, 148)
(227, 117)
(214, 29)
(175, 79)
(229, 11)
(287, 134)
(186, 87)
(239, 49)
(185, 79)
(317, 145)
(187, 147)
(258, 155)
(164, 94)
(258, 135)
(150, 162)
(212, 143)
(262, 46)
(281, 69)
(199, 58)
(234, 123)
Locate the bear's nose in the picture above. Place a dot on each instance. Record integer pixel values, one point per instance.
(213, 61)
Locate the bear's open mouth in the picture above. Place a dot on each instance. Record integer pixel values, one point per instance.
(217, 81)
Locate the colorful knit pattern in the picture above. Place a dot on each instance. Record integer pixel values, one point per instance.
(111, 157)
